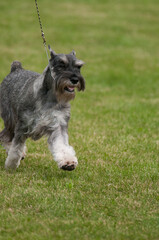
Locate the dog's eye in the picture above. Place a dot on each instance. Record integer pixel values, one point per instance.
(62, 64)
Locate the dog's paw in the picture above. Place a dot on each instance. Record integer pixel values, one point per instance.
(69, 166)
(69, 163)
(11, 164)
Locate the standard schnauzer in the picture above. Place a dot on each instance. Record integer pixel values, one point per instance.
(34, 105)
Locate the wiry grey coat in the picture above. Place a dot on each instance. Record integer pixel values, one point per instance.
(33, 105)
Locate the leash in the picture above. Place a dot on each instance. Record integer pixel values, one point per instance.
(43, 37)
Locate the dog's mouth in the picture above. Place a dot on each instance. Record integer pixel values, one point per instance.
(69, 89)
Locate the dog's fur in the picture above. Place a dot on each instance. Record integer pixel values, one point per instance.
(34, 105)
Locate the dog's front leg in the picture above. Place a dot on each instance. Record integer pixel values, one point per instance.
(63, 154)
(15, 153)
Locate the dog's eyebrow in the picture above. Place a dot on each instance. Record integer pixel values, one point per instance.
(63, 58)
(79, 63)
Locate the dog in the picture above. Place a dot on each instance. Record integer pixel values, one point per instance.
(33, 105)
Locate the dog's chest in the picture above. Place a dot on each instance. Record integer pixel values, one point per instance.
(48, 121)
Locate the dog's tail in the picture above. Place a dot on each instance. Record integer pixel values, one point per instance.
(16, 65)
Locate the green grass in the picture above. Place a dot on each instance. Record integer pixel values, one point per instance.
(114, 128)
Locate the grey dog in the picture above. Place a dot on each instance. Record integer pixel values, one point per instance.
(33, 105)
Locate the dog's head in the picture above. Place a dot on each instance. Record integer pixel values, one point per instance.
(67, 76)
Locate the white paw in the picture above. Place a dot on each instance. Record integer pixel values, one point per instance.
(67, 162)
(12, 163)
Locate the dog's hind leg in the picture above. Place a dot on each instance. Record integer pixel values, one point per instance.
(6, 137)
(16, 152)
(7, 146)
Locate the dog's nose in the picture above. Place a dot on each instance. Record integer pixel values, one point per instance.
(74, 80)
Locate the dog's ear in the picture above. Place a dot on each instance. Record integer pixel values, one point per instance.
(52, 52)
(73, 53)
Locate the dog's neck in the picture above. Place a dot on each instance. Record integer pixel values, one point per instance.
(48, 79)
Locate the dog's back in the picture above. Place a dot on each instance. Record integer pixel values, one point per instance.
(12, 91)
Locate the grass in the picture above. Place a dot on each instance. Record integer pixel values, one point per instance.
(114, 192)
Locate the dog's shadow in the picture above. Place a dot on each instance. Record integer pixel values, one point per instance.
(36, 170)
(41, 172)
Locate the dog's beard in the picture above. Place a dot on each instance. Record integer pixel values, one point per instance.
(65, 89)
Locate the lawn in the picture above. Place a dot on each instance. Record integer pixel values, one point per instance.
(114, 192)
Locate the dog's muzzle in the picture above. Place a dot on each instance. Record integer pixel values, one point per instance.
(67, 84)
(74, 84)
